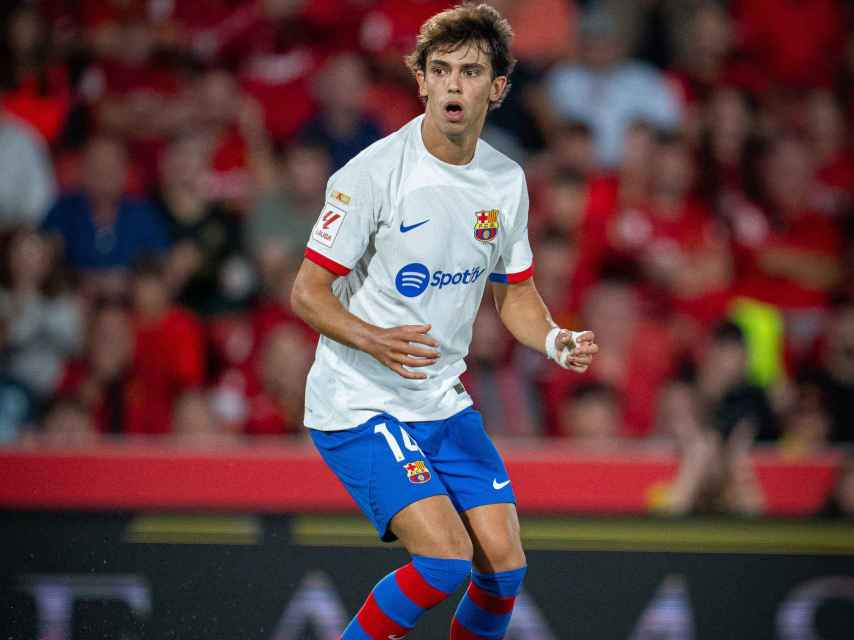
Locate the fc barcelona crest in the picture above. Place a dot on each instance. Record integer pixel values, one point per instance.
(486, 225)
(417, 472)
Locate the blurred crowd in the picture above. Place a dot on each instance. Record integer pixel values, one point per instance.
(691, 174)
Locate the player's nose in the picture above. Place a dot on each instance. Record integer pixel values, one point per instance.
(454, 81)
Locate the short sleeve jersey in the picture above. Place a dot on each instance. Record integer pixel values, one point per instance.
(414, 241)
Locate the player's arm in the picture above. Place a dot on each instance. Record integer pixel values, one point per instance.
(313, 301)
(525, 315)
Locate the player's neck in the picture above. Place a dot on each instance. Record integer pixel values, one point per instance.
(451, 149)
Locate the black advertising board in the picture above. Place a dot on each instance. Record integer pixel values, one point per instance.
(75, 576)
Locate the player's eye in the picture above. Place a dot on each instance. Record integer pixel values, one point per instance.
(437, 70)
(473, 72)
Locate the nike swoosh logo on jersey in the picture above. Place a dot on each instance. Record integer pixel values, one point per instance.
(404, 228)
(499, 485)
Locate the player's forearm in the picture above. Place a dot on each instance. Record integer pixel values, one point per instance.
(524, 313)
(324, 313)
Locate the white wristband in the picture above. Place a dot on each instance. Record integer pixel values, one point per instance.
(551, 338)
(561, 358)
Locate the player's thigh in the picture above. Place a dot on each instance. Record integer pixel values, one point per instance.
(495, 534)
(432, 527)
(469, 465)
(381, 467)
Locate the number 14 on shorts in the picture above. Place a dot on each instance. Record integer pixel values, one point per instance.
(397, 452)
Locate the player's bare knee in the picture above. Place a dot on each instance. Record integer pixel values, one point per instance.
(499, 552)
(455, 544)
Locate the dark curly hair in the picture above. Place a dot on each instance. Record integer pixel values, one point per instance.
(467, 24)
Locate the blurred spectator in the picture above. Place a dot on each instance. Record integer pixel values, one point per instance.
(609, 195)
(608, 92)
(725, 141)
(840, 504)
(788, 254)
(543, 33)
(33, 86)
(561, 204)
(390, 27)
(275, 48)
(287, 208)
(205, 235)
(233, 123)
(795, 45)
(103, 231)
(674, 239)
(715, 472)
(273, 307)
(99, 378)
(635, 356)
(652, 30)
(168, 354)
(827, 133)
(702, 51)
(42, 322)
(728, 400)
(135, 91)
(342, 126)
(590, 416)
(103, 21)
(266, 398)
(27, 183)
(499, 388)
(17, 405)
(557, 256)
(845, 78)
(572, 149)
(806, 424)
(543, 30)
(679, 419)
(833, 372)
(627, 186)
(276, 406)
(68, 424)
(194, 423)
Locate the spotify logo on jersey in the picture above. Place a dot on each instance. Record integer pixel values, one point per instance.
(413, 279)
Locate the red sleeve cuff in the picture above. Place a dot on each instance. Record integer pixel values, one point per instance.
(326, 263)
(512, 278)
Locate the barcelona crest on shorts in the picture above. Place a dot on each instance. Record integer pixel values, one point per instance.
(417, 472)
(486, 225)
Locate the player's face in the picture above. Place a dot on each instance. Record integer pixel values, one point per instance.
(459, 86)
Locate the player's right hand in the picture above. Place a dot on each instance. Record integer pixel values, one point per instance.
(401, 347)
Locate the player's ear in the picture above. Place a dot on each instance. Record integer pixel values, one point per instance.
(422, 85)
(499, 85)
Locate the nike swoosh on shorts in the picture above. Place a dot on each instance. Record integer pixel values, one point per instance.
(499, 485)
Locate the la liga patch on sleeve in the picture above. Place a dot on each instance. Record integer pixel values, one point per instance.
(328, 225)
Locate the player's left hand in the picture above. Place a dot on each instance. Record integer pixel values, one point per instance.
(581, 347)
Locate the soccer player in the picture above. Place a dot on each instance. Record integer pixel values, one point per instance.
(412, 230)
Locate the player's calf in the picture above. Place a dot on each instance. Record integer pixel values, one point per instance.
(485, 610)
(399, 599)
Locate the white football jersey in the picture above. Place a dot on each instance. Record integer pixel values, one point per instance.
(415, 241)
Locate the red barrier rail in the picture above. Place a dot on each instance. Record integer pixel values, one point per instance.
(291, 477)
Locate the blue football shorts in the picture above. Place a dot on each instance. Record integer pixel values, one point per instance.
(386, 464)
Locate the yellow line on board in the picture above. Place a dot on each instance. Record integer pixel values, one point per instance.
(193, 529)
(684, 536)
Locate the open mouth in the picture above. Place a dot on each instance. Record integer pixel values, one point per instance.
(454, 111)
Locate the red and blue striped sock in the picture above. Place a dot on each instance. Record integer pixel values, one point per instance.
(399, 599)
(485, 610)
